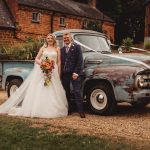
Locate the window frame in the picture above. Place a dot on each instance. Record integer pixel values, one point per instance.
(98, 36)
(62, 23)
(38, 17)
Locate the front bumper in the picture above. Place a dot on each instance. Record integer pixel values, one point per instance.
(141, 95)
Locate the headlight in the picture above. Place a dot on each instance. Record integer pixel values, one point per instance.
(142, 81)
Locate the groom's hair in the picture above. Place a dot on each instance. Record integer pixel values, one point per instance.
(67, 33)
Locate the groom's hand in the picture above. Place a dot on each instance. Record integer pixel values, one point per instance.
(75, 76)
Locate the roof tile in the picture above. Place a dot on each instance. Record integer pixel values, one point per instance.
(66, 7)
(5, 16)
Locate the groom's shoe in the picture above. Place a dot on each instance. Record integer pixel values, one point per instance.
(69, 112)
(82, 115)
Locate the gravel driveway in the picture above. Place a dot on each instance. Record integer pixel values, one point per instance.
(128, 123)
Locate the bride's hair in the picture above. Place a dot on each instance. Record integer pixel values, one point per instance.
(54, 40)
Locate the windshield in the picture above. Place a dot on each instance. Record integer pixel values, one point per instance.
(94, 42)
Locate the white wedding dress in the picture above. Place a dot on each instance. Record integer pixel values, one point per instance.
(33, 99)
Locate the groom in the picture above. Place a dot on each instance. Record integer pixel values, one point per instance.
(71, 68)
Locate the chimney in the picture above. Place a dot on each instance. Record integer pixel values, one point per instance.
(92, 3)
(13, 6)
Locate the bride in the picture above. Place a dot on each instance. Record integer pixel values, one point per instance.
(33, 98)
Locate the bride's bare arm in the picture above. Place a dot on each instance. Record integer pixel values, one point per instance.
(38, 56)
(59, 60)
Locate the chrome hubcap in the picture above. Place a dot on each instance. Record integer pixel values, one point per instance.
(98, 99)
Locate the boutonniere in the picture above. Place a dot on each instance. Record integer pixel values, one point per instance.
(72, 47)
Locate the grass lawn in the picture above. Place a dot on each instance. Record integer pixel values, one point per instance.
(18, 134)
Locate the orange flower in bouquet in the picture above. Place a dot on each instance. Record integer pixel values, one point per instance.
(47, 66)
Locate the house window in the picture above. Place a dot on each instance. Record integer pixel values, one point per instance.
(62, 21)
(36, 17)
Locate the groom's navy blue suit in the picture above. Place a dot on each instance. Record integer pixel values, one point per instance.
(72, 62)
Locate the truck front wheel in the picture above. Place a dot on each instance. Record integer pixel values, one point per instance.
(101, 99)
(13, 86)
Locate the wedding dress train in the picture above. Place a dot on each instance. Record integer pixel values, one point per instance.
(33, 99)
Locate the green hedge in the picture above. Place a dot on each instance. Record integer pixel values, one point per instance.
(24, 51)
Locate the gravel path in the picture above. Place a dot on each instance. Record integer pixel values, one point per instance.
(128, 123)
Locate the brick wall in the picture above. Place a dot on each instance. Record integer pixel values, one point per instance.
(7, 37)
(109, 29)
(71, 23)
(28, 28)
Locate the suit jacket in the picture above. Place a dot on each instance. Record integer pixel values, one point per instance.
(72, 62)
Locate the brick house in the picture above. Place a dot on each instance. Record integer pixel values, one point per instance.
(7, 26)
(147, 19)
(21, 19)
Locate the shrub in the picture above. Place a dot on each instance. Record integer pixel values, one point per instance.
(29, 39)
(127, 42)
(24, 51)
(147, 44)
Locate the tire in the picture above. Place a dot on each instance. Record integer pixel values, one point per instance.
(13, 86)
(101, 99)
(140, 105)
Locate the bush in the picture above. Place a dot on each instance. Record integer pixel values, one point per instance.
(127, 42)
(147, 44)
(25, 51)
(5, 56)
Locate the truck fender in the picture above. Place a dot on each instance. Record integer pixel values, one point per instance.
(89, 82)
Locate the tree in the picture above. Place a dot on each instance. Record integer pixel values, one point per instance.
(131, 21)
(111, 8)
(129, 16)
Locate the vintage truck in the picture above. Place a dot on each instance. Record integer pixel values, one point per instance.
(107, 79)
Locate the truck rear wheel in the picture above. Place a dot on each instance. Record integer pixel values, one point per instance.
(13, 86)
(101, 99)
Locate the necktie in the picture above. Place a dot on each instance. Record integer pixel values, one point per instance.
(67, 49)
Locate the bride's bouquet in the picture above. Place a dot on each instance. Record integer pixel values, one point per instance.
(47, 66)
